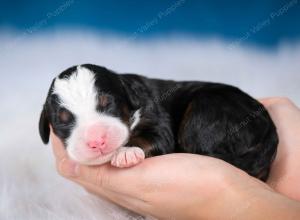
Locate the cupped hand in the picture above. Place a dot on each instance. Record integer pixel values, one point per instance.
(186, 186)
(173, 186)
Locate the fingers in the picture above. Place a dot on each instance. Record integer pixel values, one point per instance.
(267, 102)
(120, 186)
(67, 168)
(114, 184)
(111, 178)
(270, 100)
(57, 146)
(104, 176)
(64, 166)
(127, 201)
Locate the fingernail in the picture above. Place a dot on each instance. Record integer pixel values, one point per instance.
(68, 168)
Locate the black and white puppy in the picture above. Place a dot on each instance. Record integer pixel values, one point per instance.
(103, 116)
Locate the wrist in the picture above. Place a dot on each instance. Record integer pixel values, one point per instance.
(233, 197)
(256, 200)
(239, 196)
(244, 197)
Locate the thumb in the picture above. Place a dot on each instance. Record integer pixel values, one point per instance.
(91, 174)
(125, 181)
(68, 168)
(106, 181)
(105, 176)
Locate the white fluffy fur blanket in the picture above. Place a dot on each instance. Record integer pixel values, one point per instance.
(30, 188)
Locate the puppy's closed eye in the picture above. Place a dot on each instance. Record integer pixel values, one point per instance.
(65, 116)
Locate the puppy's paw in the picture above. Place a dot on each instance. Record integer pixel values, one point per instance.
(127, 157)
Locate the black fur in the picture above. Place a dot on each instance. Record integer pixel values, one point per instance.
(193, 117)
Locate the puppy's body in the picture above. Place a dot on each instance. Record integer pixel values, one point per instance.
(168, 116)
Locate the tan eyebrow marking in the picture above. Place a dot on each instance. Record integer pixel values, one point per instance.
(103, 100)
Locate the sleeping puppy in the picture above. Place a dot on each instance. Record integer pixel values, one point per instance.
(102, 116)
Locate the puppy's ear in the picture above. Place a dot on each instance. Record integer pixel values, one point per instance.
(44, 126)
(135, 89)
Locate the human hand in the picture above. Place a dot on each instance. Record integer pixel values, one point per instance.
(173, 186)
(285, 176)
(181, 186)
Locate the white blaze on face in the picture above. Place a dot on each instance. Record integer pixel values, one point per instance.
(95, 135)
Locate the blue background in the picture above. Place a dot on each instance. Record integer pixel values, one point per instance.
(225, 19)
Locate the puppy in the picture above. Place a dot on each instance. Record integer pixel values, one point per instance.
(102, 116)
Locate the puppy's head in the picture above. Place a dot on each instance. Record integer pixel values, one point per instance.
(88, 110)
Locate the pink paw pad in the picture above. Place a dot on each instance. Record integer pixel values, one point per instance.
(127, 157)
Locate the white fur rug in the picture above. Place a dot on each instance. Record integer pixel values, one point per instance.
(29, 185)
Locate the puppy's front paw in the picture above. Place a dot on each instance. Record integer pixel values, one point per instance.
(127, 157)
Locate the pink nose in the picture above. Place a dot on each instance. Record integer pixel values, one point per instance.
(97, 144)
(96, 137)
